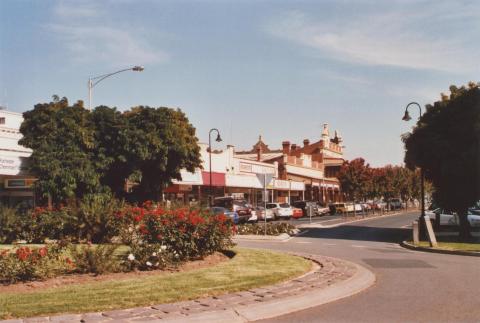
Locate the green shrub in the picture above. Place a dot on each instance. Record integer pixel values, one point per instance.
(26, 264)
(11, 225)
(273, 228)
(97, 260)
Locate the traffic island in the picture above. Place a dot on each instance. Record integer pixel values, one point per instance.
(330, 279)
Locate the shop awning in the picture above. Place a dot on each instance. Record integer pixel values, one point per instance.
(243, 181)
(218, 179)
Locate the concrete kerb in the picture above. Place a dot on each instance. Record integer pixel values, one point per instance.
(362, 280)
(410, 246)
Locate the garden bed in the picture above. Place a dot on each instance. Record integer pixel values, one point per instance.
(273, 229)
(248, 269)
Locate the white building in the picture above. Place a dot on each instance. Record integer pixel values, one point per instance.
(15, 183)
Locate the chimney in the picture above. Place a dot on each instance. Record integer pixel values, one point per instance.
(286, 147)
(294, 147)
(306, 142)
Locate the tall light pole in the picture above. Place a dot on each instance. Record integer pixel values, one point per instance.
(210, 159)
(407, 117)
(92, 81)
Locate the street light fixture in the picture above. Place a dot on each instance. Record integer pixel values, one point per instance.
(218, 139)
(92, 81)
(407, 117)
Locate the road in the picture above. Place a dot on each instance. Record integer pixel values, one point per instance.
(411, 286)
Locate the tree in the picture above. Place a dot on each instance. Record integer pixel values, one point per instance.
(354, 177)
(160, 142)
(445, 143)
(78, 152)
(61, 137)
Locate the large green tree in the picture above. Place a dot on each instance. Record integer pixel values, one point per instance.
(446, 144)
(61, 137)
(78, 152)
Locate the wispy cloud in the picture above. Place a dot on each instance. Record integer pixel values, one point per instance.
(402, 37)
(87, 34)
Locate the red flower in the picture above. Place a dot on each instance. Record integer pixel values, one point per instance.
(23, 253)
(143, 229)
(42, 251)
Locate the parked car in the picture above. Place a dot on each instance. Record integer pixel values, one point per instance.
(322, 209)
(304, 206)
(240, 206)
(281, 210)
(261, 213)
(449, 218)
(216, 210)
(297, 213)
(377, 205)
(395, 204)
(336, 208)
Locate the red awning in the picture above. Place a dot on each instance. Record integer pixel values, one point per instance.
(218, 179)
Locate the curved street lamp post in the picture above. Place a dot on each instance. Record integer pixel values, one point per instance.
(218, 139)
(407, 117)
(92, 81)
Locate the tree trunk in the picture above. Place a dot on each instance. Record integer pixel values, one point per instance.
(464, 234)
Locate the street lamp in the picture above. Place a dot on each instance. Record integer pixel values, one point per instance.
(92, 81)
(210, 157)
(407, 117)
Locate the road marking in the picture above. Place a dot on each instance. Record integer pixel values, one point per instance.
(358, 246)
(303, 242)
(329, 244)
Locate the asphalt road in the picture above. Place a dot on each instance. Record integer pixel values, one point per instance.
(411, 286)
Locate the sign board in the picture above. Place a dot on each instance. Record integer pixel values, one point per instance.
(10, 165)
(19, 183)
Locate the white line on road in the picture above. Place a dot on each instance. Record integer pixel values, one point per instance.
(303, 242)
(358, 246)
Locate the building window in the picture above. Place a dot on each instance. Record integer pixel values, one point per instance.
(2, 120)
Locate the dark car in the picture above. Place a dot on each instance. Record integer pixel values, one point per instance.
(240, 206)
(304, 205)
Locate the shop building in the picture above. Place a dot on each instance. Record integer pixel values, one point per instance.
(15, 183)
(232, 175)
(316, 165)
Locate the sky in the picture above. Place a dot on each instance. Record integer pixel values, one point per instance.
(276, 68)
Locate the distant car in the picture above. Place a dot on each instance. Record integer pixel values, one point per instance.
(297, 213)
(336, 208)
(281, 210)
(322, 209)
(216, 210)
(261, 213)
(235, 205)
(395, 204)
(305, 205)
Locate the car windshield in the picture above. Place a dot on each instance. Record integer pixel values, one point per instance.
(284, 205)
(271, 206)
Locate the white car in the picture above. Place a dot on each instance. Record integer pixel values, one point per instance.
(261, 214)
(281, 210)
(451, 218)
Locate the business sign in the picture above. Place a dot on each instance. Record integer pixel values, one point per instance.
(257, 169)
(10, 165)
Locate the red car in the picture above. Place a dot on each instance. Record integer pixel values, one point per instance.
(297, 213)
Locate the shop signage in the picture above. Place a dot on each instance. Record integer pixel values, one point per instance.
(19, 183)
(258, 169)
(10, 165)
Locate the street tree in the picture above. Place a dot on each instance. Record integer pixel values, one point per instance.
(355, 177)
(445, 143)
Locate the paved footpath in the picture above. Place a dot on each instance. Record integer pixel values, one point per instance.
(329, 280)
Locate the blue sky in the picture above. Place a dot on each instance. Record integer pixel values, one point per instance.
(276, 68)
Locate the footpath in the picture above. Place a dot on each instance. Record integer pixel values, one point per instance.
(330, 279)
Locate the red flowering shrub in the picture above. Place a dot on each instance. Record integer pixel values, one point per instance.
(183, 233)
(25, 263)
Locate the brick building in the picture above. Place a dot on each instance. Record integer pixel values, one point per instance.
(315, 164)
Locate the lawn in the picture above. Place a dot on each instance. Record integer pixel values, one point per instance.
(248, 269)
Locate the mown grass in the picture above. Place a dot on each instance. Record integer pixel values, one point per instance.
(248, 269)
(456, 246)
